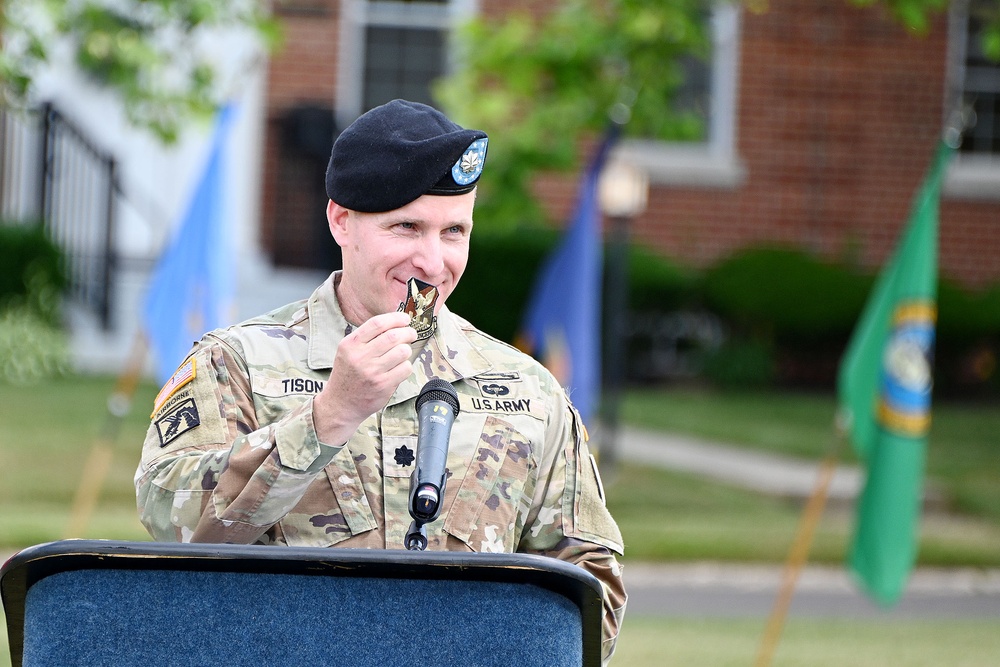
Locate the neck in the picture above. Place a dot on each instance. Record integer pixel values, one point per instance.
(346, 308)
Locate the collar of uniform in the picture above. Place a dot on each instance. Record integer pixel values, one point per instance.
(454, 353)
(326, 324)
(449, 355)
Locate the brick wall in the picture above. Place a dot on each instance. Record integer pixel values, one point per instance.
(839, 113)
(303, 73)
(838, 116)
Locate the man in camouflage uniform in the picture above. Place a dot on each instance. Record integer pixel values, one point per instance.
(299, 427)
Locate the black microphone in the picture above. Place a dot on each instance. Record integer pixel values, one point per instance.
(437, 407)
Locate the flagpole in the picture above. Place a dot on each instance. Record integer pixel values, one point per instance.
(798, 555)
(98, 463)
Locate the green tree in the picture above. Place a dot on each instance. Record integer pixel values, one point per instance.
(543, 83)
(547, 82)
(154, 54)
(553, 78)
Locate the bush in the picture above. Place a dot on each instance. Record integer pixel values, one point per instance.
(806, 309)
(32, 271)
(787, 315)
(497, 283)
(32, 346)
(786, 294)
(31, 349)
(503, 267)
(740, 364)
(658, 285)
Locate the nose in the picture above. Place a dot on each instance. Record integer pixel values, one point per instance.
(428, 256)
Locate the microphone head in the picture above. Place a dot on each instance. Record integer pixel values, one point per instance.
(438, 390)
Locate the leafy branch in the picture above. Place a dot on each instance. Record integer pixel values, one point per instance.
(156, 55)
(544, 83)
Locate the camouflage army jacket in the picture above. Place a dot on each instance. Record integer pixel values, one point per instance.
(232, 456)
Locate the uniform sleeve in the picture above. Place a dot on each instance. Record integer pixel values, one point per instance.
(569, 519)
(209, 472)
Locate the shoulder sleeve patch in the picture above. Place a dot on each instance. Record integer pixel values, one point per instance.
(180, 419)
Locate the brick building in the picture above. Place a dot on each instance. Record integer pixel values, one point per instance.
(824, 117)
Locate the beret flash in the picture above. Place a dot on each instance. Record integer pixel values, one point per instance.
(399, 151)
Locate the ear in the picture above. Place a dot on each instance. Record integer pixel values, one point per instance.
(336, 217)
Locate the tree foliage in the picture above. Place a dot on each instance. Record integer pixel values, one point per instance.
(546, 81)
(542, 83)
(156, 55)
(916, 16)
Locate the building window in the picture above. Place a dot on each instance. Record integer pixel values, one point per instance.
(401, 63)
(974, 86)
(394, 49)
(710, 93)
(980, 89)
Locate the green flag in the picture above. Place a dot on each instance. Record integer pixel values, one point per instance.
(884, 392)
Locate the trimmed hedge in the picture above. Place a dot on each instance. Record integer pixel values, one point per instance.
(805, 309)
(495, 288)
(32, 278)
(503, 266)
(32, 273)
(788, 315)
(789, 294)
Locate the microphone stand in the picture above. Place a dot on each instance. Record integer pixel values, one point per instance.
(424, 508)
(416, 536)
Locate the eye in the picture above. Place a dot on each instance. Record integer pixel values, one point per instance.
(404, 228)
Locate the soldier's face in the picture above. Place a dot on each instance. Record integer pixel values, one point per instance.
(427, 239)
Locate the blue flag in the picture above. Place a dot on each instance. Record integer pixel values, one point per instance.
(193, 286)
(562, 325)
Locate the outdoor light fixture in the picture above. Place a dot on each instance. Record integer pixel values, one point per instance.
(622, 192)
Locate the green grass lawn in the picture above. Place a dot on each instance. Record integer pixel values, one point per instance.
(48, 430)
(963, 453)
(666, 516)
(649, 641)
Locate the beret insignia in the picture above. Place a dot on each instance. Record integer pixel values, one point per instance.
(470, 165)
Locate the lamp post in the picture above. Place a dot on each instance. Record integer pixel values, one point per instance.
(623, 190)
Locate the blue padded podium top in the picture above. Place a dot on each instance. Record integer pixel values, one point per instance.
(93, 602)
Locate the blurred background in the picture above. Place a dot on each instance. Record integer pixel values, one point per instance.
(778, 146)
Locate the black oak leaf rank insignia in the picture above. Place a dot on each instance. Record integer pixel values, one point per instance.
(404, 456)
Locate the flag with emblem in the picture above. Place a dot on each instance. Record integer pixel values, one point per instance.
(562, 325)
(193, 286)
(884, 393)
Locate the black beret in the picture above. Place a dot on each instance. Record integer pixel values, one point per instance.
(399, 151)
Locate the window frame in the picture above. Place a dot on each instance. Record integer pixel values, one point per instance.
(969, 176)
(713, 163)
(357, 15)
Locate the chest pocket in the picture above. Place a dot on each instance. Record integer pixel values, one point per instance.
(484, 511)
(333, 508)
